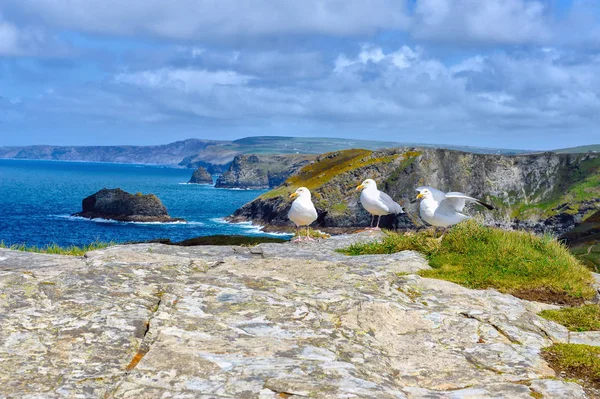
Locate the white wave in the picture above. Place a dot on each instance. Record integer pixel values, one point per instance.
(250, 227)
(110, 221)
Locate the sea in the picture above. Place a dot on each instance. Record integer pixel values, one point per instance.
(37, 199)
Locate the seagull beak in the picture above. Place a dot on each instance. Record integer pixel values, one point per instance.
(419, 196)
(360, 187)
(293, 195)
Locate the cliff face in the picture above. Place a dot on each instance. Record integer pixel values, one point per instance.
(267, 322)
(201, 176)
(261, 171)
(540, 192)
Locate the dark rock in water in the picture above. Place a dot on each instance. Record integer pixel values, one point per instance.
(201, 176)
(261, 171)
(116, 204)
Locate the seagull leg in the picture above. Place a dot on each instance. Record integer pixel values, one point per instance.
(372, 220)
(308, 237)
(378, 219)
(298, 238)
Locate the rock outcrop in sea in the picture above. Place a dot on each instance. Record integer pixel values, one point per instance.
(543, 192)
(261, 171)
(116, 204)
(201, 176)
(265, 322)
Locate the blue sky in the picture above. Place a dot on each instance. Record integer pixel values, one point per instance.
(496, 73)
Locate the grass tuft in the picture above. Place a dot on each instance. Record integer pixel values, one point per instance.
(55, 249)
(422, 241)
(578, 361)
(514, 262)
(312, 233)
(584, 318)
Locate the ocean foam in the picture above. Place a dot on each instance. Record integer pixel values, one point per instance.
(101, 220)
(250, 227)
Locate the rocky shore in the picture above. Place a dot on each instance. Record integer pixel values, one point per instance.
(261, 171)
(116, 204)
(270, 321)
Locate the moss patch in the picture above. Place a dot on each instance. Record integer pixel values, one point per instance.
(480, 257)
(72, 250)
(581, 362)
(584, 318)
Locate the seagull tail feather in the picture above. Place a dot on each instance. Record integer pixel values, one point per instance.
(488, 206)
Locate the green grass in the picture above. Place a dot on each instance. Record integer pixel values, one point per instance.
(475, 256)
(581, 362)
(589, 255)
(72, 250)
(584, 318)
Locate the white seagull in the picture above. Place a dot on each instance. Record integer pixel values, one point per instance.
(303, 211)
(441, 209)
(376, 202)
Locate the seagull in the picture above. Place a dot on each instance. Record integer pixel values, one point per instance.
(376, 202)
(441, 209)
(302, 212)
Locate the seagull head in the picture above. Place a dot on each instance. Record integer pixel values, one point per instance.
(367, 184)
(424, 194)
(301, 192)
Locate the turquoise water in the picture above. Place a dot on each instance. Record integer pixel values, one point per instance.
(38, 197)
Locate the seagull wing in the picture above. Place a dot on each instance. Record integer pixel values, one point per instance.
(438, 195)
(393, 206)
(456, 201)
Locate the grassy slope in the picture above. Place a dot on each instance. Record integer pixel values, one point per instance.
(519, 263)
(57, 250)
(224, 152)
(580, 149)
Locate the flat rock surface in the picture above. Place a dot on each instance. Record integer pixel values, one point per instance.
(271, 321)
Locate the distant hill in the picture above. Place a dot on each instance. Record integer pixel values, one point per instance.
(580, 149)
(168, 154)
(193, 153)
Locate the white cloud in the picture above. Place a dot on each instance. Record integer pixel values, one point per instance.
(399, 89)
(15, 41)
(186, 80)
(223, 19)
(489, 21)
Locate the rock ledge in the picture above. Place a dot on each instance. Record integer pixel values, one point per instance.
(270, 321)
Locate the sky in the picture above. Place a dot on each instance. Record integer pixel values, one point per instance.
(495, 73)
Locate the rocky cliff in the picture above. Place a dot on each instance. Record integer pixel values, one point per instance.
(540, 192)
(201, 176)
(116, 204)
(268, 322)
(261, 171)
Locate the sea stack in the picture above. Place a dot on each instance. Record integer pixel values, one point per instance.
(201, 176)
(116, 204)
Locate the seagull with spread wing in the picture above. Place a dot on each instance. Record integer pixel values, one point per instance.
(376, 202)
(441, 209)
